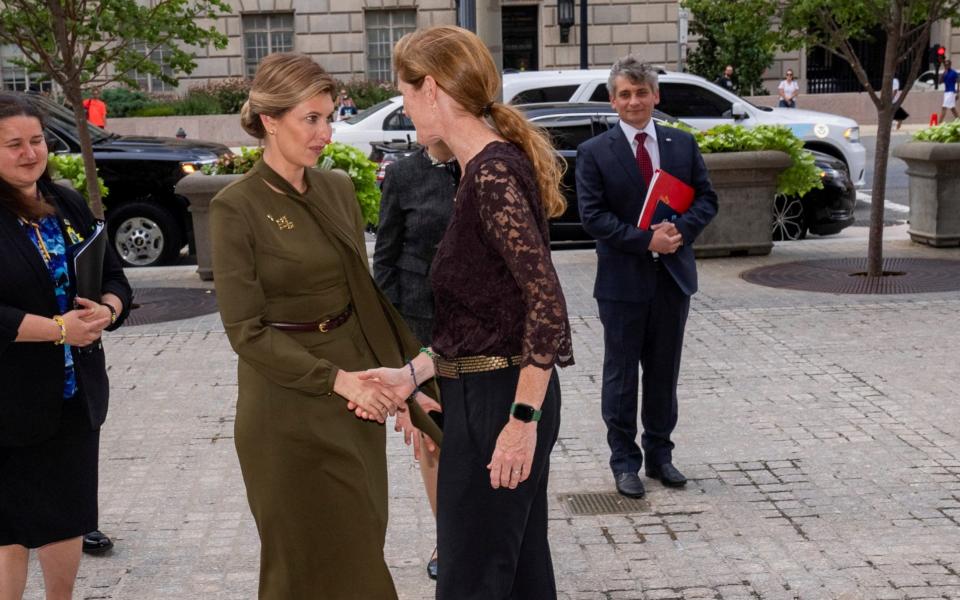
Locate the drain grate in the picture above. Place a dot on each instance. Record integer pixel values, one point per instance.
(156, 305)
(846, 276)
(602, 503)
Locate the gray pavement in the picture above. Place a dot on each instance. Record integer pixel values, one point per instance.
(821, 433)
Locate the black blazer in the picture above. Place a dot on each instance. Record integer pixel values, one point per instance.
(610, 193)
(31, 373)
(416, 206)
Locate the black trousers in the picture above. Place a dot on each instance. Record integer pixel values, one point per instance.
(492, 544)
(648, 335)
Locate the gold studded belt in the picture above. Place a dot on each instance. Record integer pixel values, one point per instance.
(452, 368)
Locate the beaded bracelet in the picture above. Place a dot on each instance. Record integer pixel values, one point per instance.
(113, 312)
(416, 387)
(428, 352)
(63, 330)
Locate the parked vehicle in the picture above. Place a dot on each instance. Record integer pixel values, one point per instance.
(822, 212)
(703, 104)
(147, 222)
(926, 82)
(692, 99)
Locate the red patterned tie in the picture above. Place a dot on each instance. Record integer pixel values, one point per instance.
(643, 159)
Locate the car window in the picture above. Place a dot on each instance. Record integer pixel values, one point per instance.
(368, 112)
(55, 143)
(600, 94)
(398, 121)
(692, 101)
(568, 132)
(557, 93)
(926, 77)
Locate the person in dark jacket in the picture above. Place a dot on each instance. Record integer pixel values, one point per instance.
(52, 372)
(415, 208)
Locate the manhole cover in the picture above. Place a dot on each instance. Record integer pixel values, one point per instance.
(846, 276)
(156, 305)
(602, 503)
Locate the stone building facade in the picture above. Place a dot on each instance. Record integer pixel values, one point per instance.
(353, 38)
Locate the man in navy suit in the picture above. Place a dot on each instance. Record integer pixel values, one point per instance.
(644, 278)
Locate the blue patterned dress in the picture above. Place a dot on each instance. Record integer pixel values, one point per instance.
(50, 243)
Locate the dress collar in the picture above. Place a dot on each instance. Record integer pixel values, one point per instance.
(265, 172)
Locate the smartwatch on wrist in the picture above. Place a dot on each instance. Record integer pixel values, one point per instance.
(524, 412)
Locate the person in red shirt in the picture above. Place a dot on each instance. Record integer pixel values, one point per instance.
(96, 109)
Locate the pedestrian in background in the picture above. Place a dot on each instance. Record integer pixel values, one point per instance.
(501, 325)
(726, 79)
(96, 109)
(949, 81)
(304, 316)
(900, 115)
(788, 90)
(644, 278)
(52, 366)
(415, 208)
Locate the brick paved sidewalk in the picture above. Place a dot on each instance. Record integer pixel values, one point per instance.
(821, 434)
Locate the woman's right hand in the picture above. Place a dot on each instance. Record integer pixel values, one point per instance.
(83, 324)
(367, 398)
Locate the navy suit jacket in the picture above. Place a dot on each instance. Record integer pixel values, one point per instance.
(610, 193)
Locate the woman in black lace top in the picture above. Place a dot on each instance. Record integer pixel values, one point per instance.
(500, 326)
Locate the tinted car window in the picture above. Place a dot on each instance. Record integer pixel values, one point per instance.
(558, 93)
(368, 112)
(600, 94)
(567, 134)
(398, 121)
(684, 100)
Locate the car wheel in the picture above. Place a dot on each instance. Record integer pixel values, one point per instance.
(144, 234)
(788, 221)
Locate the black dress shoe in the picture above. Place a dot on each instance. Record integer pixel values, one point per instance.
(629, 485)
(667, 474)
(96, 543)
(432, 566)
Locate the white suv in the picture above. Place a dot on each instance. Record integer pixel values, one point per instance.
(699, 103)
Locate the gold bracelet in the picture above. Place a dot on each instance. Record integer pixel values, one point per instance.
(58, 319)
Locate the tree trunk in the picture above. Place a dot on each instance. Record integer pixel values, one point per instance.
(71, 90)
(875, 247)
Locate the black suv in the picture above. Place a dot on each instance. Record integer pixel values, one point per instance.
(148, 223)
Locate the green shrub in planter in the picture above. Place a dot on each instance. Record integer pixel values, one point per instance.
(798, 179)
(367, 93)
(154, 110)
(362, 171)
(122, 101)
(70, 166)
(230, 93)
(946, 133)
(198, 101)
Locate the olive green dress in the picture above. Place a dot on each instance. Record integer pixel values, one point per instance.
(315, 474)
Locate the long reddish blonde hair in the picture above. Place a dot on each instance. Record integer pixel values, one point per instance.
(462, 66)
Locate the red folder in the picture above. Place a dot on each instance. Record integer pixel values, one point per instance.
(666, 198)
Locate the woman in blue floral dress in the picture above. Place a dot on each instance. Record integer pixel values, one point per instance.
(53, 379)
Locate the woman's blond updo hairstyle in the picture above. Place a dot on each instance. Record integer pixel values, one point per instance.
(462, 66)
(283, 80)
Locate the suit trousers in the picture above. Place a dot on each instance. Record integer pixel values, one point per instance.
(647, 335)
(492, 544)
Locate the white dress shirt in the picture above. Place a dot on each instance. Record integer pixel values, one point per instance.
(650, 143)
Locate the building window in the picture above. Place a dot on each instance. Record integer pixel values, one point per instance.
(15, 77)
(149, 82)
(384, 29)
(265, 34)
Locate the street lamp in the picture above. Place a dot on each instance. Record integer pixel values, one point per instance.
(565, 19)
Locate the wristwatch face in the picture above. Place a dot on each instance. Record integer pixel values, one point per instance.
(523, 412)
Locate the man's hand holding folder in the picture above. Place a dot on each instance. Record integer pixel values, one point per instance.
(667, 198)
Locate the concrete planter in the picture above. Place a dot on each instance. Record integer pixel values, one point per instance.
(200, 190)
(934, 171)
(746, 183)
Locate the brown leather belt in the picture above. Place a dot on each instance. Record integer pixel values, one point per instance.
(452, 368)
(321, 326)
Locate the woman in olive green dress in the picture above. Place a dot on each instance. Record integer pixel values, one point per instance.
(302, 312)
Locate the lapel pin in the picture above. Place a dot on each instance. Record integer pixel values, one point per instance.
(283, 222)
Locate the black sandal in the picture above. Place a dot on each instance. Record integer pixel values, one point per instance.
(432, 565)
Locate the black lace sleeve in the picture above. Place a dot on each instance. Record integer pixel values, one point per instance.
(515, 227)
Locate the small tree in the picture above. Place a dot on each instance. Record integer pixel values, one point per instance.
(831, 25)
(733, 32)
(81, 44)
